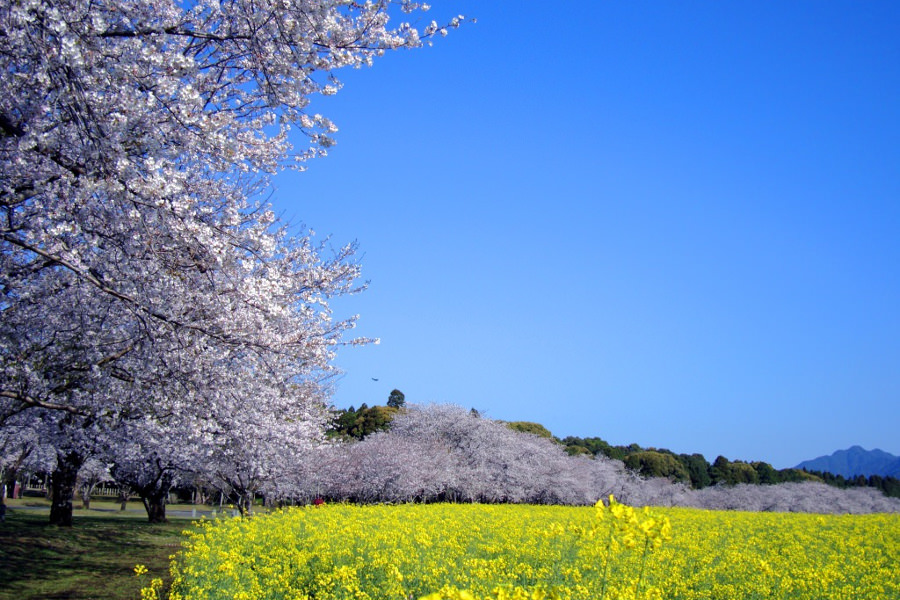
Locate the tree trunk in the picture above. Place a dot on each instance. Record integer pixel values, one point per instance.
(245, 503)
(2, 497)
(62, 487)
(8, 481)
(152, 485)
(155, 506)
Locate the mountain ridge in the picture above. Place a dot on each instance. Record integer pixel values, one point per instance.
(855, 461)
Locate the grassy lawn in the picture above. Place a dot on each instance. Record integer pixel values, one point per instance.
(95, 559)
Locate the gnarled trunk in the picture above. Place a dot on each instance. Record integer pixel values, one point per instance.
(155, 495)
(155, 505)
(63, 487)
(152, 483)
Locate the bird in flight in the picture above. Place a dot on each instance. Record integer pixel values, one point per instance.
(374, 379)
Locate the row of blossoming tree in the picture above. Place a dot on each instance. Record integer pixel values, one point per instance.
(447, 453)
(159, 323)
(442, 453)
(155, 312)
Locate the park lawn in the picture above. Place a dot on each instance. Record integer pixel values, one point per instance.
(94, 559)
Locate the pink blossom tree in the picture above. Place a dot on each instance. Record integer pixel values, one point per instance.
(139, 266)
(445, 453)
(810, 497)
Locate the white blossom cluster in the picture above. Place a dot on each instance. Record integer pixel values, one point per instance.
(153, 308)
(446, 453)
(808, 497)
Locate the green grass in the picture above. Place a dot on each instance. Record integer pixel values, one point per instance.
(95, 559)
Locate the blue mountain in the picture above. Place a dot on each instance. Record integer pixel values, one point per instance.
(856, 461)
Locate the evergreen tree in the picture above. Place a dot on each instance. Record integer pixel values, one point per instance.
(697, 468)
(397, 399)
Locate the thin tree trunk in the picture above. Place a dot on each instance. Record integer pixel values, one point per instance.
(8, 481)
(2, 496)
(63, 487)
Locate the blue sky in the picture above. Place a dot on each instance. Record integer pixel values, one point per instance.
(675, 224)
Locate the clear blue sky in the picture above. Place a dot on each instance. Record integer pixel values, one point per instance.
(675, 224)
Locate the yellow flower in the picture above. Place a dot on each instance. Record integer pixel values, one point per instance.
(503, 552)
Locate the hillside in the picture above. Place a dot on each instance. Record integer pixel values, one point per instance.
(855, 461)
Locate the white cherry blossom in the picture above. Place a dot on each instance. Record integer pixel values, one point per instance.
(142, 277)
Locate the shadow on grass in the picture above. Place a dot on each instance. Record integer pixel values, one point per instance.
(93, 559)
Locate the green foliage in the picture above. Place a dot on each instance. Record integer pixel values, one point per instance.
(594, 446)
(732, 473)
(766, 473)
(651, 463)
(397, 399)
(357, 424)
(799, 475)
(720, 470)
(742, 472)
(697, 469)
(578, 450)
(343, 422)
(890, 486)
(529, 427)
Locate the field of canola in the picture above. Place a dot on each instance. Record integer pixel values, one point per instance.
(506, 552)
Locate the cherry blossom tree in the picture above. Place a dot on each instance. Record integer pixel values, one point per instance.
(259, 447)
(149, 456)
(92, 473)
(809, 497)
(22, 454)
(446, 453)
(134, 137)
(139, 266)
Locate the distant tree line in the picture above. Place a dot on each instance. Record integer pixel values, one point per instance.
(890, 486)
(445, 453)
(692, 470)
(696, 471)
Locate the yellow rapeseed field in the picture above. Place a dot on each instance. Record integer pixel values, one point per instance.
(506, 552)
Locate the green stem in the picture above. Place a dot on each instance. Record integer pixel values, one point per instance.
(606, 564)
(637, 586)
